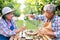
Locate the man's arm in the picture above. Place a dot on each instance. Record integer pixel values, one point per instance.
(47, 32)
(37, 17)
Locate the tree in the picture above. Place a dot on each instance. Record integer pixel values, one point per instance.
(36, 6)
(17, 13)
(10, 3)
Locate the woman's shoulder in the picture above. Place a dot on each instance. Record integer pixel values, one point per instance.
(2, 20)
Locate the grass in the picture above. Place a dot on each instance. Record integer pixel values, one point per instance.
(33, 24)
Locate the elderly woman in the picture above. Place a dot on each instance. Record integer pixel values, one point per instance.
(51, 22)
(8, 26)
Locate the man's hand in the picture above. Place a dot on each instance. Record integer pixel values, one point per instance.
(49, 33)
(41, 32)
(30, 16)
(46, 32)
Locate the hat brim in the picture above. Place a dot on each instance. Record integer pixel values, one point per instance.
(9, 12)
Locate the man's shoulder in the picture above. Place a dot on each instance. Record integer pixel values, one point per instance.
(57, 18)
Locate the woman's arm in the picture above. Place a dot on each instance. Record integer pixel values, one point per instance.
(8, 32)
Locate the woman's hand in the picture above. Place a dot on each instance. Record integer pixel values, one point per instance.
(21, 29)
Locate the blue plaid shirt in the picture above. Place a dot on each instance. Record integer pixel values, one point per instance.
(5, 29)
(55, 24)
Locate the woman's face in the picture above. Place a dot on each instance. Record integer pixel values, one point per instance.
(9, 16)
(49, 15)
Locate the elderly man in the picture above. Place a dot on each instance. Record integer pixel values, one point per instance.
(51, 22)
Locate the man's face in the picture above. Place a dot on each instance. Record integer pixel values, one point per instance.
(49, 15)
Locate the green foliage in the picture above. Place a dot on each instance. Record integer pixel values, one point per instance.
(36, 6)
(10, 3)
(17, 13)
(29, 24)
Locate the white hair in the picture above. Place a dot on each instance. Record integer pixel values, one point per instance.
(49, 7)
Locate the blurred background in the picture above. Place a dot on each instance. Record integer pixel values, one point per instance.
(25, 7)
